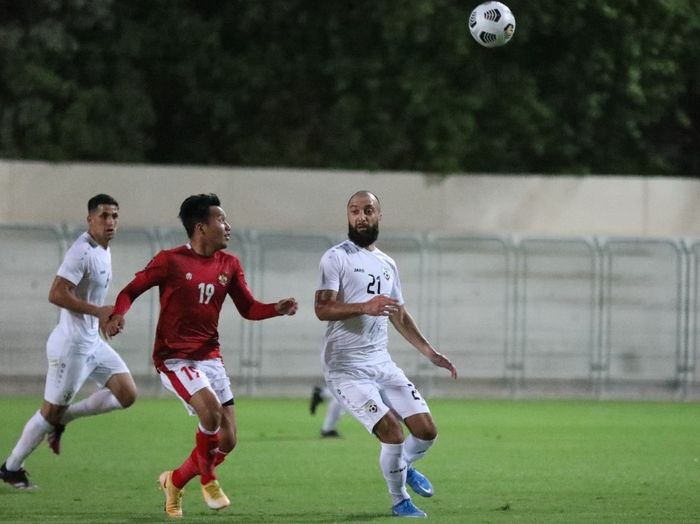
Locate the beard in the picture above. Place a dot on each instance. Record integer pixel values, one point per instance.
(364, 238)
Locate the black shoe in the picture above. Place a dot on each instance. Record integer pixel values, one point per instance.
(16, 479)
(330, 434)
(54, 438)
(316, 399)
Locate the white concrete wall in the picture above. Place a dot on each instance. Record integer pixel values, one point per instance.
(314, 200)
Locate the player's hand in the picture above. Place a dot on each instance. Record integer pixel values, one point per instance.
(287, 306)
(102, 314)
(114, 326)
(381, 306)
(441, 361)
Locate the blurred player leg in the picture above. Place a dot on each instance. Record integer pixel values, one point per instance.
(316, 399)
(330, 422)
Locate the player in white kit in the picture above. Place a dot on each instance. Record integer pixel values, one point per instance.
(358, 293)
(74, 350)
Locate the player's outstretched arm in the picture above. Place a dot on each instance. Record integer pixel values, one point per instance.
(144, 280)
(404, 324)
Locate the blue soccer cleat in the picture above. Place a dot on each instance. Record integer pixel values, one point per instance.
(419, 483)
(406, 508)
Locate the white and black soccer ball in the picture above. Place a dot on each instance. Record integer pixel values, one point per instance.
(492, 24)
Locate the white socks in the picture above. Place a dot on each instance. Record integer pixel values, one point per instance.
(394, 461)
(333, 414)
(415, 448)
(33, 433)
(37, 427)
(100, 401)
(393, 468)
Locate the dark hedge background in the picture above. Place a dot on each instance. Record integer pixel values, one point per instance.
(585, 86)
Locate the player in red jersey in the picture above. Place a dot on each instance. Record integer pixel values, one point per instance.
(194, 280)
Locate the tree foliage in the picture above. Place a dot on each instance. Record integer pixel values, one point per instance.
(585, 86)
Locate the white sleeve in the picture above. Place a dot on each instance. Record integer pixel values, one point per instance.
(73, 267)
(396, 292)
(330, 268)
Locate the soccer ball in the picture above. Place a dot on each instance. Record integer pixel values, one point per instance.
(492, 24)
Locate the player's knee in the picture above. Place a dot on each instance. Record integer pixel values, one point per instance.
(53, 419)
(227, 443)
(422, 426)
(123, 388)
(211, 419)
(127, 398)
(52, 413)
(390, 437)
(389, 432)
(425, 431)
(428, 434)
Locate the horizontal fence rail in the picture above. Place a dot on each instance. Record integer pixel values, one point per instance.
(593, 317)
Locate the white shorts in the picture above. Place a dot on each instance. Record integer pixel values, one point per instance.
(186, 377)
(370, 393)
(72, 362)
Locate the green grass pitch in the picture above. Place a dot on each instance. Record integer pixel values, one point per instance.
(495, 462)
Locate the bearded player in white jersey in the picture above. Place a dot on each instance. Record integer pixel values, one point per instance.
(74, 350)
(358, 293)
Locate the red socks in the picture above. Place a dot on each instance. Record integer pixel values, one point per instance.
(187, 471)
(205, 451)
(202, 461)
(219, 457)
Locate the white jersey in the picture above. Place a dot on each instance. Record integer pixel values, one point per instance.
(357, 275)
(89, 266)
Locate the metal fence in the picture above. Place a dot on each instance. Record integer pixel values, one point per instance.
(519, 316)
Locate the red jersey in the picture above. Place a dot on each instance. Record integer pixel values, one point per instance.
(192, 291)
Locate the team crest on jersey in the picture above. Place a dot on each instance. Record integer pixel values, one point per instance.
(223, 279)
(386, 273)
(188, 276)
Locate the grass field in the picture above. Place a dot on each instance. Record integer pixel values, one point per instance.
(495, 461)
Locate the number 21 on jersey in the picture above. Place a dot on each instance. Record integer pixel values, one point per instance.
(375, 285)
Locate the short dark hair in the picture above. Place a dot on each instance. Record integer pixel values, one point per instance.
(195, 210)
(102, 198)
